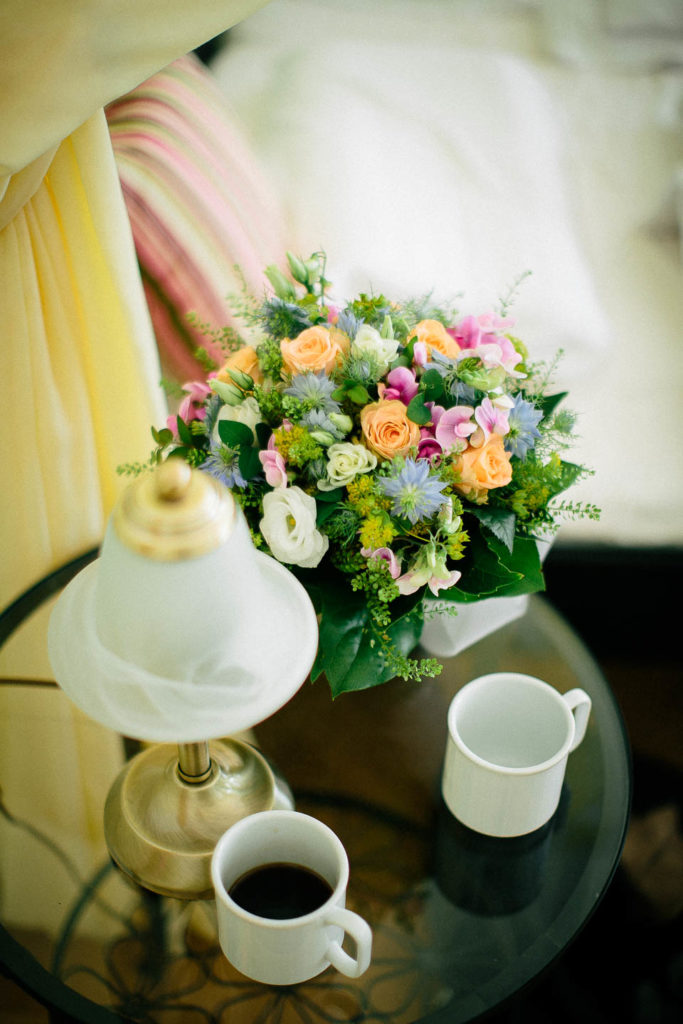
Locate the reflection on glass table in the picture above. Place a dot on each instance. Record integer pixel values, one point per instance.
(461, 922)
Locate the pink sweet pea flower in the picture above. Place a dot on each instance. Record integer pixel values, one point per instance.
(402, 385)
(428, 447)
(273, 464)
(420, 354)
(437, 412)
(274, 468)
(387, 555)
(492, 419)
(191, 407)
(411, 581)
(428, 568)
(481, 336)
(474, 331)
(454, 426)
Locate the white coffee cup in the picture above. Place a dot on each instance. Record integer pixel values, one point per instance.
(286, 951)
(509, 737)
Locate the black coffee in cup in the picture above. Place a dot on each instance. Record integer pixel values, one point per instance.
(280, 891)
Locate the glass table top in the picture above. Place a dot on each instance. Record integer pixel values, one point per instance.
(462, 923)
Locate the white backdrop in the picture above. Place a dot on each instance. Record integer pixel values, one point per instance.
(453, 145)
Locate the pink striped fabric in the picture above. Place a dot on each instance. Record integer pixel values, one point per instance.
(198, 205)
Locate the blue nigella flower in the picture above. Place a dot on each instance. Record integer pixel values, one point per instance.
(315, 389)
(523, 434)
(464, 394)
(416, 494)
(348, 322)
(222, 463)
(319, 420)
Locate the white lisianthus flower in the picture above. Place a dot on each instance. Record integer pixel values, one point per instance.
(288, 526)
(370, 343)
(345, 461)
(246, 412)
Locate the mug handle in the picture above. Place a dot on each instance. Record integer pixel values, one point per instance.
(580, 705)
(360, 932)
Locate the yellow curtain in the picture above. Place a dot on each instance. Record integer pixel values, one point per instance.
(78, 364)
(79, 378)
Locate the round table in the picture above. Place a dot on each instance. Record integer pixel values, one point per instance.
(462, 923)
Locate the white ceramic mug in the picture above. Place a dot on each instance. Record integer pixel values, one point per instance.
(287, 951)
(509, 736)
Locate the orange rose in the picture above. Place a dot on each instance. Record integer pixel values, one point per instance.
(315, 349)
(387, 429)
(244, 359)
(435, 336)
(482, 469)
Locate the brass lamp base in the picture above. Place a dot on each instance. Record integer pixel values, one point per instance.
(170, 804)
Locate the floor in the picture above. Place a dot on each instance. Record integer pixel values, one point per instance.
(626, 967)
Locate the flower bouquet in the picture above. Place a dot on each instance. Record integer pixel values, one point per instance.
(399, 459)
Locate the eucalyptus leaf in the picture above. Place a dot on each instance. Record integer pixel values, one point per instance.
(417, 411)
(431, 385)
(359, 395)
(163, 436)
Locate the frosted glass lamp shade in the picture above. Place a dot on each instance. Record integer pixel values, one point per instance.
(185, 647)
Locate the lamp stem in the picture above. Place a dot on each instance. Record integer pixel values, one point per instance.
(194, 761)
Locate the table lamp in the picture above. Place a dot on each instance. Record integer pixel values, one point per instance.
(181, 633)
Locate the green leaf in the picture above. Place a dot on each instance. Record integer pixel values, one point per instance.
(343, 617)
(548, 403)
(525, 561)
(263, 432)
(235, 434)
(483, 573)
(490, 570)
(417, 411)
(184, 433)
(325, 510)
(331, 496)
(431, 384)
(570, 473)
(249, 462)
(346, 653)
(501, 522)
(359, 395)
(163, 436)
